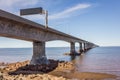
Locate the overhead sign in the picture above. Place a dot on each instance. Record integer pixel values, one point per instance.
(31, 11)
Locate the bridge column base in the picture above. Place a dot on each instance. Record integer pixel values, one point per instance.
(39, 56)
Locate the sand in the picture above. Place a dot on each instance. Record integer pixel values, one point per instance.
(57, 70)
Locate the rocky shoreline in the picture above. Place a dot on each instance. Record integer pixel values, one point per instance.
(23, 71)
(57, 70)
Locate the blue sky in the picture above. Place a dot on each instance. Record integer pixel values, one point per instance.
(97, 21)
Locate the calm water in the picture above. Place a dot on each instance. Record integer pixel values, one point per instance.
(100, 59)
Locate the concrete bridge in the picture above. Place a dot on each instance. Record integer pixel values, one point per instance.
(13, 26)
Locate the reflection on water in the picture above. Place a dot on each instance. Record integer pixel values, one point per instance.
(100, 59)
(73, 57)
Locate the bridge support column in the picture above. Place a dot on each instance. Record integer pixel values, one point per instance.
(88, 47)
(84, 47)
(80, 48)
(72, 51)
(39, 56)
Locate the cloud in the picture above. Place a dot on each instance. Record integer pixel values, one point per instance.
(69, 11)
(72, 11)
(12, 5)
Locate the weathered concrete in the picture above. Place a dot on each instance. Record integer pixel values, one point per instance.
(72, 48)
(16, 27)
(87, 46)
(80, 48)
(84, 47)
(13, 26)
(39, 56)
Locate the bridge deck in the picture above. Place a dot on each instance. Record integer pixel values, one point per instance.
(12, 17)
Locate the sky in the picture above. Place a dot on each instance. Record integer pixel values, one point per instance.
(97, 21)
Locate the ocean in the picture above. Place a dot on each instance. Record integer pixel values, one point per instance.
(99, 59)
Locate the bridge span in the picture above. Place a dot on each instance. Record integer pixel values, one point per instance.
(13, 26)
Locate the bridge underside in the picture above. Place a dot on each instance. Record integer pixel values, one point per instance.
(26, 32)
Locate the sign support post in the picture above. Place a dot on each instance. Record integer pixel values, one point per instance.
(39, 10)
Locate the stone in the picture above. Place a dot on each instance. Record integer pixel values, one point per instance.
(1, 76)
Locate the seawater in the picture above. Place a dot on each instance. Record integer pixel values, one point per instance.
(100, 59)
(21, 54)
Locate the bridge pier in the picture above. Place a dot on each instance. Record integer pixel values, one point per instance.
(80, 48)
(89, 46)
(72, 48)
(39, 56)
(84, 47)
